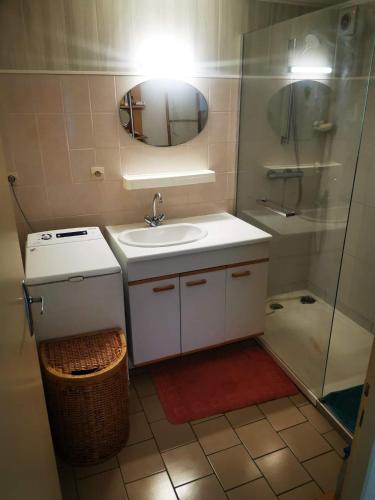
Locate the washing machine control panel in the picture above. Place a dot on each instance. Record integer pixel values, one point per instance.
(63, 236)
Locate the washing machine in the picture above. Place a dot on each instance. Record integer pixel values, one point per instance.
(73, 283)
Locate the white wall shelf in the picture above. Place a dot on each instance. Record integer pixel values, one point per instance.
(307, 166)
(167, 179)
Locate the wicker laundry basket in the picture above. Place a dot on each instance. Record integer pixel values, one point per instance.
(86, 386)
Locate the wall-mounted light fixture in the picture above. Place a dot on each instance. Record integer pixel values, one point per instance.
(165, 56)
(311, 70)
(309, 61)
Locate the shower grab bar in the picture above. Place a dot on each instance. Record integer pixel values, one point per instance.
(277, 209)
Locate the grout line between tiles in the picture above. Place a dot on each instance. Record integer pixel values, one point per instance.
(165, 465)
(299, 486)
(197, 479)
(225, 449)
(332, 447)
(317, 456)
(144, 477)
(213, 473)
(96, 473)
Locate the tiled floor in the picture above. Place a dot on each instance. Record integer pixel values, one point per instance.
(281, 449)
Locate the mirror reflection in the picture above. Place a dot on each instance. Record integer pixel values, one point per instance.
(300, 111)
(163, 112)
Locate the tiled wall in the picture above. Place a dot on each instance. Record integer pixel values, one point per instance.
(105, 35)
(55, 128)
(65, 34)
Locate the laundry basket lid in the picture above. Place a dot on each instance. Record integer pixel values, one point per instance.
(81, 356)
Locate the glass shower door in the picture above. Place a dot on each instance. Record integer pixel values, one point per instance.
(304, 93)
(353, 323)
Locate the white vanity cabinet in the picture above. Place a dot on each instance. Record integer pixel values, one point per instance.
(202, 310)
(246, 289)
(186, 297)
(155, 319)
(196, 310)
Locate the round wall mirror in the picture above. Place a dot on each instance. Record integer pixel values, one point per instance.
(163, 112)
(300, 110)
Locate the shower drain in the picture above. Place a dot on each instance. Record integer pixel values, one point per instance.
(307, 299)
(275, 305)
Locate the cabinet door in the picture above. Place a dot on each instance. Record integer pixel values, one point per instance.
(245, 300)
(155, 320)
(202, 310)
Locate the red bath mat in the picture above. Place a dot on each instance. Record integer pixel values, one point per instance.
(217, 381)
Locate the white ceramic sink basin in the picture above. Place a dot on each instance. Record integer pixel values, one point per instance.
(162, 236)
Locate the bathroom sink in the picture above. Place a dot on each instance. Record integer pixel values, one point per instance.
(162, 236)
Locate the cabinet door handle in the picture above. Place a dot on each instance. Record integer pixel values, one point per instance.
(196, 282)
(241, 274)
(163, 288)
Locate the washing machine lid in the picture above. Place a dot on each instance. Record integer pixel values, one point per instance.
(69, 254)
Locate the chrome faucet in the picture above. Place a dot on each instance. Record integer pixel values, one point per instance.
(155, 220)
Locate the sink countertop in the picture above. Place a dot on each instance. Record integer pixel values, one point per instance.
(224, 230)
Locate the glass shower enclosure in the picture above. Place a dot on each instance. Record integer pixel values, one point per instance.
(304, 176)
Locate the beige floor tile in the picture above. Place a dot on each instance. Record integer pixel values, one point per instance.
(325, 470)
(134, 402)
(170, 436)
(186, 463)
(207, 488)
(139, 430)
(140, 460)
(282, 470)
(326, 496)
(234, 467)
(336, 441)
(320, 423)
(204, 419)
(105, 486)
(82, 472)
(299, 400)
(152, 488)
(260, 438)
(244, 416)
(256, 490)
(215, 435)
(143, 384)
(134, 406)
(304, 441)
(309, 491)
(282, 413)
(153, 408)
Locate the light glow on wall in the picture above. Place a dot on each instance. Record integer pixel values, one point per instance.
(165, 56)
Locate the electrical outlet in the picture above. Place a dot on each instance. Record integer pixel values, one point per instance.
(97, 172)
